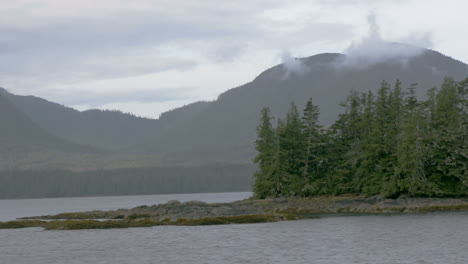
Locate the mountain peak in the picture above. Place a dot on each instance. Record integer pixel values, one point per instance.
(230, 121)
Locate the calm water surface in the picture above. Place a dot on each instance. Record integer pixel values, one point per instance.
(417, 238)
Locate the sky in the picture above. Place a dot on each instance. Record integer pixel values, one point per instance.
(149, 56)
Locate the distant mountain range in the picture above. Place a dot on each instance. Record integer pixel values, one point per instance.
(19, 133)
(108, 130)
(228, 123)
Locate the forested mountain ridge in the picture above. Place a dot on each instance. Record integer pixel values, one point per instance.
(229, 122)
(19, 133)
(201, 135)
(109, 130)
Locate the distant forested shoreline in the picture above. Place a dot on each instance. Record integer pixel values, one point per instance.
(388, 144)
(130, 181)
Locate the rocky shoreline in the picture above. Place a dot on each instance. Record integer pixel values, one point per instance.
(245, 211)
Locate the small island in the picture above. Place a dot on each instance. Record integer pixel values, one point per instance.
(240, 212)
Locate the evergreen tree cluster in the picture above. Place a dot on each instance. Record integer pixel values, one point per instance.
(389, 144)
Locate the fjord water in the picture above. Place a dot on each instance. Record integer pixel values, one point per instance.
(377, 239)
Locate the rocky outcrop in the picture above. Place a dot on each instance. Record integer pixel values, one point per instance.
(303, 207)
(240, 212)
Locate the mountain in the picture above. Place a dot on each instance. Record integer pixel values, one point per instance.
(231, 120)
(108, 130)
(228, 124)
(213, 141)
(19, 133)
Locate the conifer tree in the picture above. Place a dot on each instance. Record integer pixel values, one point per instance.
(312, 139)
(292, 150)
(448, 149)
(391, 144)
(345, 152)
(461, 157)
(265, 145)
(279, 174)
(410, 174)
(375, 146)
(395, 114)
(313, 148)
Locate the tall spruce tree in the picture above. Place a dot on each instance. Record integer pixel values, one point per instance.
(448, 150)
(375, 146)
(312, 139)
(292, 150)
(410, 174)
(345, 146)
(313, 149)
(266, 147)
(280, 176)
(398, 121)
(462, 151)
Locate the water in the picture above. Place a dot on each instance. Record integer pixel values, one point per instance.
(398, 239)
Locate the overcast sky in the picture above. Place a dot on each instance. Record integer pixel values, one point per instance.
(146, 57)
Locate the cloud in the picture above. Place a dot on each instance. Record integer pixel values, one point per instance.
(122, 66)
(292, 66)
(131, 43)
(373, 49)
(226, 51)
(49, 45)
(75, 41)
(61, 49)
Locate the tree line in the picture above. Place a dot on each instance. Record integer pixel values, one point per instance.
(389, 144)
(129, 181)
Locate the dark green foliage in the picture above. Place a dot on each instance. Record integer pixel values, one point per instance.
(278, 174)
(314, 160)
(390, 144)
(291, 156)
(265, 146)
(291, 150)
(448, 151)
(312, 138)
